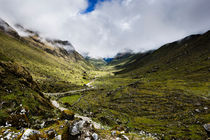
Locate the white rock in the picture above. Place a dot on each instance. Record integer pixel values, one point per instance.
(29, 132)
(58, 137)
(6, 132)
(77, 127)
(206, 108)
(8, 136)
(23, 111)
(87, 138)
(95, 136)
(125, 137)
(42, 125)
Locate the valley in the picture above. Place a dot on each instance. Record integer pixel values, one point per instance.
(49, 92)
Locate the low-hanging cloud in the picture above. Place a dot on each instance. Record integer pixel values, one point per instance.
(114, 25)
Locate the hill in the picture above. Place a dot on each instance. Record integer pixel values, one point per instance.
(19, 92)
(52, 66)
(163, 92)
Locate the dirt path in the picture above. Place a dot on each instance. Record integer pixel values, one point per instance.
(72, 92)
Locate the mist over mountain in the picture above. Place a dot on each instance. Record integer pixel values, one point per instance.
(112, 25)
(104, 70)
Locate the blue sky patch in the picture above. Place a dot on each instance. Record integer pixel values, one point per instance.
(91, 5)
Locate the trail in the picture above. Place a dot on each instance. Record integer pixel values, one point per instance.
(73, 92)
(58, 106)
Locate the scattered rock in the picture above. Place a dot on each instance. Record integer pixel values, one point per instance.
(197, 110)
(87, 138)
(125, 137)
(58, 137)
(77, 127)
(95, 136)
(30, 134)
(207, 128)
(205, 108)
(18, 120)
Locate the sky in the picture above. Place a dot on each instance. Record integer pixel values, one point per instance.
(102, 28)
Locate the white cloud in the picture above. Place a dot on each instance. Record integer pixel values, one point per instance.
(114, 25)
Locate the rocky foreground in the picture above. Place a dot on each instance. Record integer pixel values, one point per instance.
(68, 126)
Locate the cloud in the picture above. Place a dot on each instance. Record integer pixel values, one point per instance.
(114, 25)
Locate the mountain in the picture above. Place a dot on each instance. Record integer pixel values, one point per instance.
(164, 92)
(45, 84)
(190, 53)
(18, 92)
(52, 66)
(97, 62)
(4, 26)
(30, 66)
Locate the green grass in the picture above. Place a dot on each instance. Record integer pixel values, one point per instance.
(48, 70)
(157, 93)
(18, 88)
(70, 99)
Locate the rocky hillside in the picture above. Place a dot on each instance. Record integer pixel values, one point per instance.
(18, 93)
(45, 84)
(49, 61)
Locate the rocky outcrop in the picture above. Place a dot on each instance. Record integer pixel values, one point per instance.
(80, 130)
(6, 28)
(207, 128)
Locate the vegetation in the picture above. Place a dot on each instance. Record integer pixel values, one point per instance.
(53, 73)
(164, 92)
(17, 91)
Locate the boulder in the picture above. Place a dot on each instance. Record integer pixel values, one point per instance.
(77, 127)
(207, 128)
(95, 136)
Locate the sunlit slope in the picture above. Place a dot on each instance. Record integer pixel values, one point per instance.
(47, 69)
(18, 91)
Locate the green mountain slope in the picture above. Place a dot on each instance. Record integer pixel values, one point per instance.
(18, 91)
(186, 56)
(54, 69)
(164, 92)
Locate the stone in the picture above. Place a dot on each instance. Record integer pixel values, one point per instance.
(207, 128)
(197, 110)
(77, 127)
(125, 137)
(58, 137)
(87, 138)
(95, 136)
(205, 108)
(30, 134)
